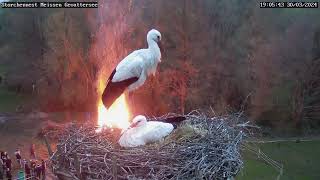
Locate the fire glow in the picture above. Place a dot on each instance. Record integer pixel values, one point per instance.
(117, 116)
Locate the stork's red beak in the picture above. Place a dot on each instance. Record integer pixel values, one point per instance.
(133, 125)
(161, 47)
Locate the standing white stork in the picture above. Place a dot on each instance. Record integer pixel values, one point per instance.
(142, 132)
(133, 70)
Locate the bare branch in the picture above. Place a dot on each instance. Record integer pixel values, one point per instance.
(202, 147)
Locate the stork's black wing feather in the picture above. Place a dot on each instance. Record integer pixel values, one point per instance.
(114, 89)
(176, 120)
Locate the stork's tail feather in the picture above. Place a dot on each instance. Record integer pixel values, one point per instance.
(115, 89)
(174, 126)
(175, 121)
(110, 95)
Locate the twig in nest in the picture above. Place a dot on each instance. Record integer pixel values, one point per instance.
(210, 149)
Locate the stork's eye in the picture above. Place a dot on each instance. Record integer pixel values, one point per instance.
(158, 37)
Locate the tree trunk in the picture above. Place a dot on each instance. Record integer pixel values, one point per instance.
(182, 104)
(298, 100)
(48, 145)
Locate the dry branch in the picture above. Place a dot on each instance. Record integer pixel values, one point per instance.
(201, 147)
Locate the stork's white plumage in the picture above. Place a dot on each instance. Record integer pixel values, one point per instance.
(133, 70)
(142, 132)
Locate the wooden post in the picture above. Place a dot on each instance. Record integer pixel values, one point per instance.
(48, 145)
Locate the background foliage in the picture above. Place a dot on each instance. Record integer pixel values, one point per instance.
(217, 53)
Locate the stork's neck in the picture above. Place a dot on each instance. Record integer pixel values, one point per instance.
(154, 49)
(140, 126)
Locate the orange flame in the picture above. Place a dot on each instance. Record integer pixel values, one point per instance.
(117, 116)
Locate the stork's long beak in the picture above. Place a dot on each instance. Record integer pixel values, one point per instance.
(133, 125)
(161, 47)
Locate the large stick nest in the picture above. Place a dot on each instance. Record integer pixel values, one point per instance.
(201, 147)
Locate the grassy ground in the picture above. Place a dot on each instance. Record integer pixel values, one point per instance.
(301, 161)
(10, 100)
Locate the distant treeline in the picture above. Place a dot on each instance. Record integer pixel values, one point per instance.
(224, 55)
